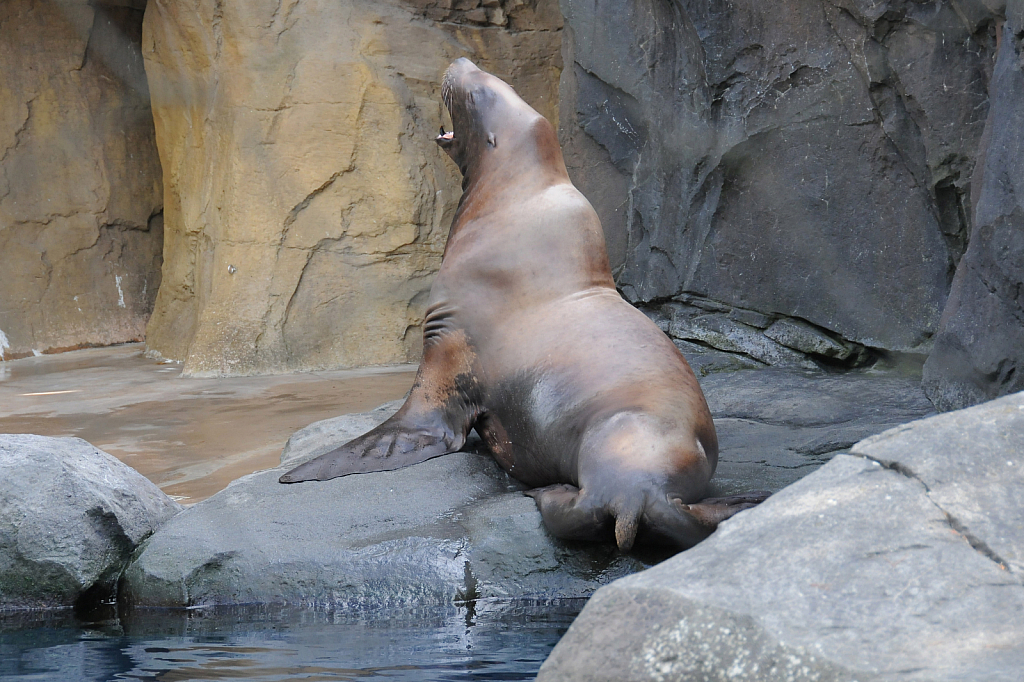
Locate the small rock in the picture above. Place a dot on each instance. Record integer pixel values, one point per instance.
(719, 331)
(703, 303)
(806, 338)
(705, 361)
(751, 317)
(70, 517)
(496, 17)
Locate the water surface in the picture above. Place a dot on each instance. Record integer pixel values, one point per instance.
(476, 641)
(189, 436)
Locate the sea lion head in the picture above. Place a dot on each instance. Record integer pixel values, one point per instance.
(490, 122)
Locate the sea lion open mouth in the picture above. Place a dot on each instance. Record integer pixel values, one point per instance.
(445, 139)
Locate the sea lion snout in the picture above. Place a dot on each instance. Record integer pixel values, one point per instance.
(451, 85)
(457, 69)
(453, 77)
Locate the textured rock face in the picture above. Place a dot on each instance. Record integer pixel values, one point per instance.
(307, 203)
(451, 529)
(979, 349)
(70, 517)
(902, 562)
(80, 189)
(800, 158)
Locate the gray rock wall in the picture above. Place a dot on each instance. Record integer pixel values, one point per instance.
(798, 158)
(979, 349)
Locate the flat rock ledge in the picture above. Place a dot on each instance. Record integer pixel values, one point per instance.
(903, 560)
(70, 517)
(453, 529)
(457, 528)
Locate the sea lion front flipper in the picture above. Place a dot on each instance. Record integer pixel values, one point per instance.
(434, 421)
(401, 441)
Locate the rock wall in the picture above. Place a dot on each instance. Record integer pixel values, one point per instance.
(800, 158)
(306, 201)
(979, 350)
(80, 186)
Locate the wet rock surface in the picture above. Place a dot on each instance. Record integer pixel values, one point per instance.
(70, 517)
(452, 529)
(979, 347)
(798, 158)
(900, 561)
(457, 527)
(775, 426)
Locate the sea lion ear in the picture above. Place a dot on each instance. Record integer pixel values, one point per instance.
(491, 141)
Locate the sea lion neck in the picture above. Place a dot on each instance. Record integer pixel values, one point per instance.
(527, 154)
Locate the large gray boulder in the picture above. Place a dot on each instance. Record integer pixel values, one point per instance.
(70, 517)
(452, 529)
(458, 527)
(902, 561)
(979, 348)
(801, 158)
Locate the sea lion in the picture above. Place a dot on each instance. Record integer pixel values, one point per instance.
(573, 390)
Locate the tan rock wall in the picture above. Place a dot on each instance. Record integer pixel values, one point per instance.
(306, 202)
(80, 186)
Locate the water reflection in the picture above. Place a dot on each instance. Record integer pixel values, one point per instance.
(493, 641)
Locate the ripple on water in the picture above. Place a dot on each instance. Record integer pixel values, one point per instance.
(479, 641)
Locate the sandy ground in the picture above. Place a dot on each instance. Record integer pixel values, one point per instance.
(189, 436)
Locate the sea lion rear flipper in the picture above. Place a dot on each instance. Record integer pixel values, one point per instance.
(409, 437)
(685, 525)
(568, 515)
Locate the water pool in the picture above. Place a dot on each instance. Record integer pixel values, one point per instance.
(499, 640)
